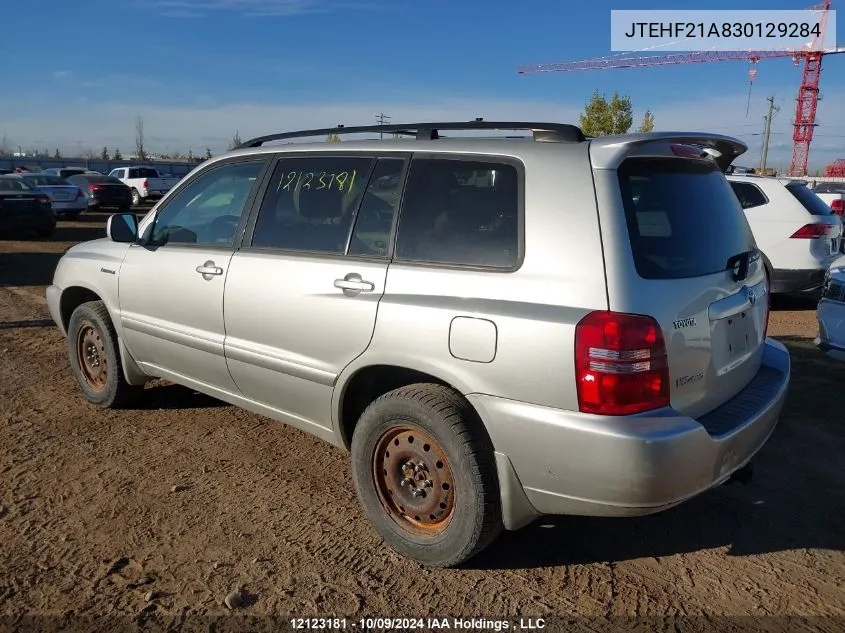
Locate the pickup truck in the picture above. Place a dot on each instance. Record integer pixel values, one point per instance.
(145, 183)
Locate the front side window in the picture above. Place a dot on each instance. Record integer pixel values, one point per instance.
(207, 211)
(311, 203)
(460, 212)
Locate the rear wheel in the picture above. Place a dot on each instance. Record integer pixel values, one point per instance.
(136, 198)
(95, 358)
(423, 468)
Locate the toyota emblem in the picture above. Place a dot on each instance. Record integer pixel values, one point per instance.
(752, 297)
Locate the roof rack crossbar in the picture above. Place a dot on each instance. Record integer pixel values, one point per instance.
(554, 132)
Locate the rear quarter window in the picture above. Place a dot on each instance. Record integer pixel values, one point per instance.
(809, 200)
(683, 217)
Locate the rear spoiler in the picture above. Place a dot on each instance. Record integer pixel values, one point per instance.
(608, 152)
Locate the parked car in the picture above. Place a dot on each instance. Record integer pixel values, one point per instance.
(67, 200)
(103, 192)
(831, 312)
(502, 351)
(65, 172)
(24, 208)
(144, 182)
(833, 194)
(3, 172)
(797, 232)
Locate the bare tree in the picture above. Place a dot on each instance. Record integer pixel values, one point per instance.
(139, 138)
(5, 145)
(89, 153)
(236, 140)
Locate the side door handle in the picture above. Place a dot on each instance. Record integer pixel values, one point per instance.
(209, 270)
(352, 284)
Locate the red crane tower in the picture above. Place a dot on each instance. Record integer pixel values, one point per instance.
(808, 94)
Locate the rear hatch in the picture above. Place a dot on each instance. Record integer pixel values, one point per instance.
(686, 257)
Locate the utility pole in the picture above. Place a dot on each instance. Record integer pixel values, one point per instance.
(773, 109)
(382, 119)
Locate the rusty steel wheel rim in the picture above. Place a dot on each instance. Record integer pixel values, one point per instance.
(91, 356)
(414, 481)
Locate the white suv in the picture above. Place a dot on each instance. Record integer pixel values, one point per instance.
(797, 232)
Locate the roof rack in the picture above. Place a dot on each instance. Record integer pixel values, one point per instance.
(550, 132)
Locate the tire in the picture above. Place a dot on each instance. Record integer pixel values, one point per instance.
(136, 198)
(91, 328)
(458, 512)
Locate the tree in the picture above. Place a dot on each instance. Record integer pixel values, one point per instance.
(648, 122)
(601, 118)
(58, 154)
(207, 153)
(105, 153)
(5, 145)
(333, 138)
(89, 153)
(236, 140)
(190, 154)
(117, 155)
(139, 139)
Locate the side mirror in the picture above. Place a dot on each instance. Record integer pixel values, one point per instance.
(122, 227)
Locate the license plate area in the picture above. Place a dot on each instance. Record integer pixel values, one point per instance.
(738, 335)
(734, 339)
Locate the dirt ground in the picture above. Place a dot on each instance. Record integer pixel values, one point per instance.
(90, 522)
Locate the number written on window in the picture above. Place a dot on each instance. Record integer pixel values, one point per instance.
(317, 180)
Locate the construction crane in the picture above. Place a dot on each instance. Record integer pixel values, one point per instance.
(808, 94)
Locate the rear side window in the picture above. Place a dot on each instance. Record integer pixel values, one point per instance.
(749, 195)
(808, 199)
(460, 212)
(683, 218)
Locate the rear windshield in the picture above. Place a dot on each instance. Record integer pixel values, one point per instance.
(64, 173)
(683, 217)
(107, 180)
(42, 180)
(13, 184)
(808, 199)
(143, 172)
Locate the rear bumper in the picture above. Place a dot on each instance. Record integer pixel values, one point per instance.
(789, 281)
(831, 338)
(34, 222)
(552, 461)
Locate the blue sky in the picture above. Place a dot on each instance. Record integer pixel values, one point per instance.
(197, 70)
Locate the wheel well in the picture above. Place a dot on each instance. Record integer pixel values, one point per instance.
(72, 298)
(370, 383)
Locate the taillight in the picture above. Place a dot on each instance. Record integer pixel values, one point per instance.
(811, 231)
(621, 367)
(838, 207)
(145, 184)
(94, 187)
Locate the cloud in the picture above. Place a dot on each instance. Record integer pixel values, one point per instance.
(251, 8)
(62, 74)
(209, 123)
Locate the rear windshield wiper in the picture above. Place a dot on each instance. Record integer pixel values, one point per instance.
(738, 264)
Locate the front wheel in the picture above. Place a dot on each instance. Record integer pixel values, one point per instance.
(423, 468)
(95, 358)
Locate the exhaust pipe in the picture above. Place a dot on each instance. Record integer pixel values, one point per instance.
(743, 476)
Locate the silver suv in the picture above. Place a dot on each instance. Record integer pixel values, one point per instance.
(494, 328)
